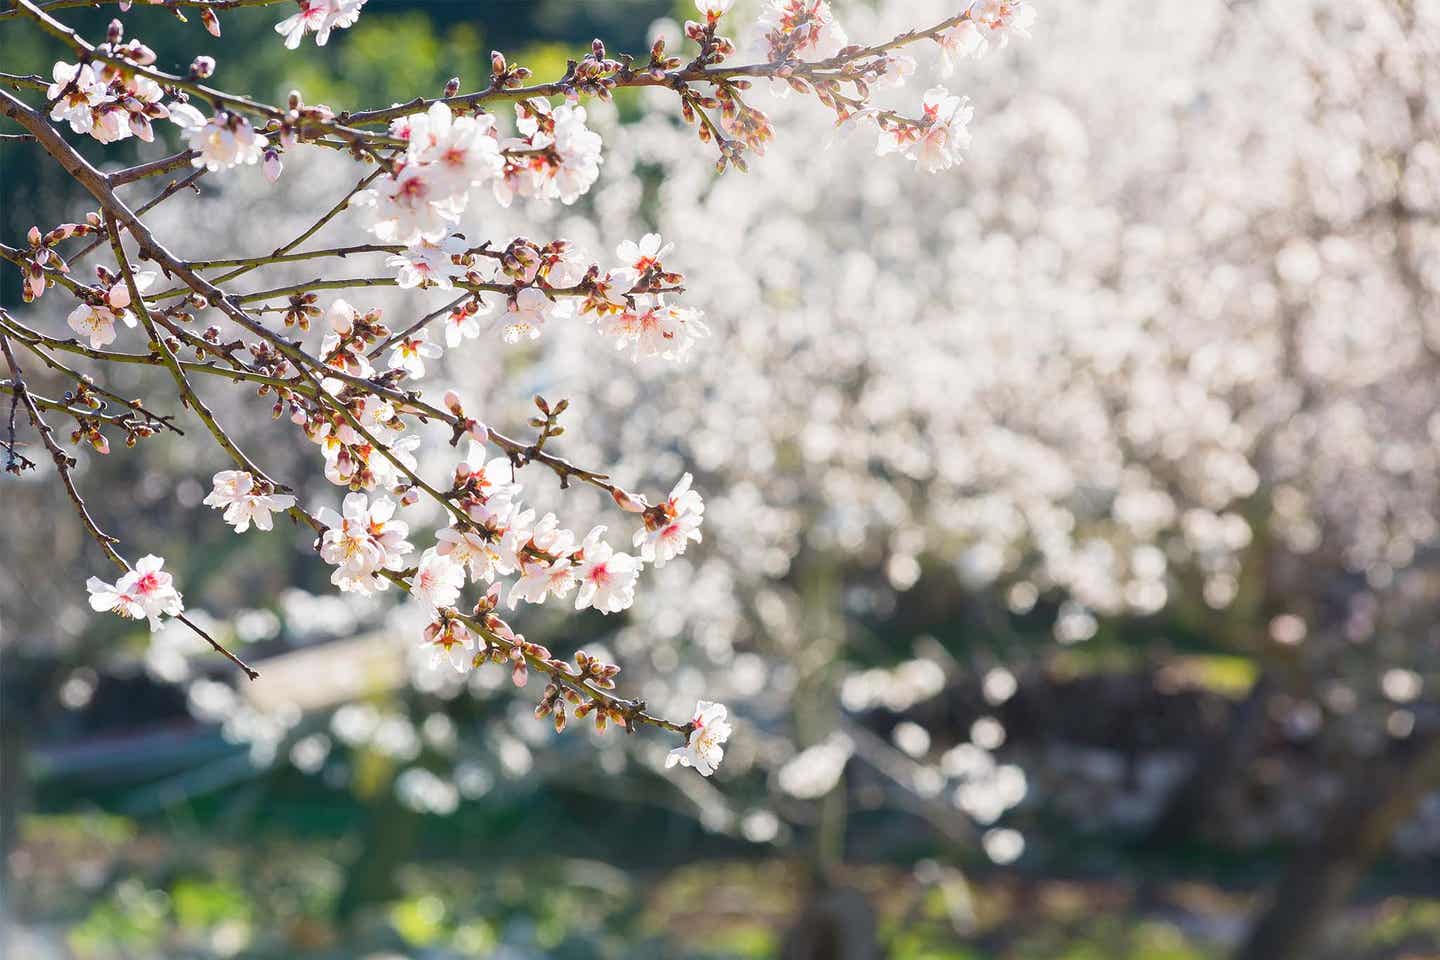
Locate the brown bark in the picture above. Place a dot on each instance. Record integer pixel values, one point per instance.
(1322, 876)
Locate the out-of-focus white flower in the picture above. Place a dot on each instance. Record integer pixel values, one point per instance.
(714, 9)
(704, 749)
(899, 67)
(318, 17)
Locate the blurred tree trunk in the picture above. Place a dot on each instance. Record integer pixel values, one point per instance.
(18, 682)
(836, 923)
(1218, 764)
(388, 843)
(1321, 877)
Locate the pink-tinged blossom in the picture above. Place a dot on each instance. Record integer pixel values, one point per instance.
(236, 492)
(670, 526)
(97, 321)
(474, 551)
(318, 17)
(438, 579)
(996, 20)
(525, 314)
(607, 579)
(704, 749)
(960, 41)
(411, 353)
(426, 263)
(450, 639)
(938, 142)
(801, 30)
(409, 207)
(363, 542)
(567, 158)
(654, 329)
(899, 68)
(458, 152)
(539, 579)
(493, 479)
(146, 591)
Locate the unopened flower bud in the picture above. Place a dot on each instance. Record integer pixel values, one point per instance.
(115, 32)
(628, 501)
(202, 67)
(452, 86)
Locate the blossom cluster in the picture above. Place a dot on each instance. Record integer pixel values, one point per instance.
(356, 396)
(109, 101)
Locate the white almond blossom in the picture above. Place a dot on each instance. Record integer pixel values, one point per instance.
(801, 29)
(714, 9)
(411, 353)
(525, 314)
(579, 150)
(643, 255)
(146, 591)
(225, 140)
(704, 748)
(235, 491)
(672, 525)
(450, 639)
(409, 207)
(428, 263)
(458, 152)
(438, 579)
(539, 579)
(82, 90)
(607, 579)
(363, 542)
